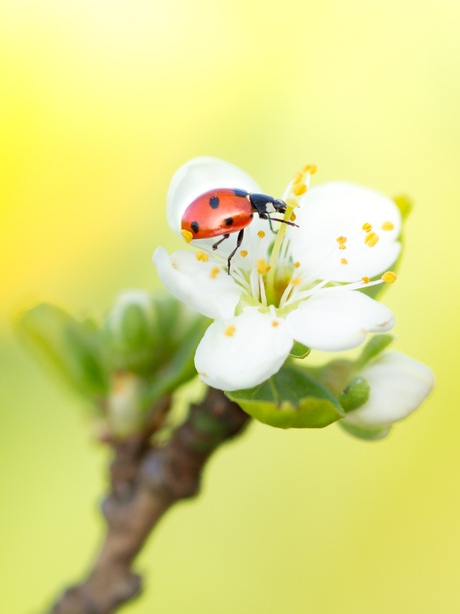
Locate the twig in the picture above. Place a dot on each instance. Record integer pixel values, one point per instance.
(145, 483)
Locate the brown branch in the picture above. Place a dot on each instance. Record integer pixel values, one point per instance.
(145, 483)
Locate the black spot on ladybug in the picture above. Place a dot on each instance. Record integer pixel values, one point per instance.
(194, 226)
(251, 216)
(228, 221)
(240, 193)
(214, 202)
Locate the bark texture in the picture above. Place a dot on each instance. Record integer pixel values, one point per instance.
(145, 482)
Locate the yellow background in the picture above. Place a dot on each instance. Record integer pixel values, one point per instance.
(101, 101)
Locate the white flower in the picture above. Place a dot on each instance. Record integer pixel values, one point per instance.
(398, 386)
(304, 291)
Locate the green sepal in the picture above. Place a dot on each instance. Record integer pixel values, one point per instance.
(355, 394)
(299, 350)
(290, 399)
(366, 433)
(373, 348)
(404, 204)
(73, 348)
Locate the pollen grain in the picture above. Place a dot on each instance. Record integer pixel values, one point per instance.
(215, 272)
(261, 234)
(202, 257)
(243, 253)
(343, 261)
(365, 279)
(367, 227)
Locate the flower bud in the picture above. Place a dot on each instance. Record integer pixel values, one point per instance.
(132, 330)
(398, 386)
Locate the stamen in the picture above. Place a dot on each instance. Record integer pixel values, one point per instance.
(371, 241)
(187, 235)
(275, 323)
(387, 226)
(341, 240)
(243, 253)
(261, 234)
(297, 178)
(389, 277)
(365, 279)
(310, 167)
(263, 295)
(342, 246)
(215, 272)
(293, 217)
(296, 264)
(295, 281)
(343, 261)
(201, 256)
(367, 227)
(230, 330)
(299, 189)
(262, 266)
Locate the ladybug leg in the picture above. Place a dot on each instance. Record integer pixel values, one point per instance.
(216, 245)
(275, 232)
(239, 240)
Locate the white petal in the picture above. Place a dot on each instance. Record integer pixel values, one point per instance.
(254, 352)
(399, 385)
(192, 282)
(198, 176)
(338, 209)
(337, 321)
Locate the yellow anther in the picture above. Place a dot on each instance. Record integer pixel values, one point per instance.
(262, 266)
(296, 264)
(275, 323)
(261, 234)
(299, 189)
(341, 240)
(367, 227)
(388, 226)
(293, 217)
(343, 261)
(310, 167)
(389, 277)
(369, 237)
(295, 281)
(292, 203)
(215, 272)
(230, 330)
(201, 256)
(243, 253)
(342, 246)
(297, 178)
(372, 240)
(187, 235)
(365, 279)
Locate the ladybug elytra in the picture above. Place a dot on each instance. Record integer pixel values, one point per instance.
(221, 212)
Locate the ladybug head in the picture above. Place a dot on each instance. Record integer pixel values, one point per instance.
(279, 205)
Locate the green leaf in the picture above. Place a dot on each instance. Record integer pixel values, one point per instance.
(299, 350)
(366, 433)
(71, 347)
(290, 399)
(355, 394)
(181, 367)
(373, 348)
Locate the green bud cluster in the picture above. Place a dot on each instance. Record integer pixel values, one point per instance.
(140, 353)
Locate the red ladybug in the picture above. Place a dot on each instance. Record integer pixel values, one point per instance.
(224, 211)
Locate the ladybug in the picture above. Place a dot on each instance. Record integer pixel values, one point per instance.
(224, 211)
